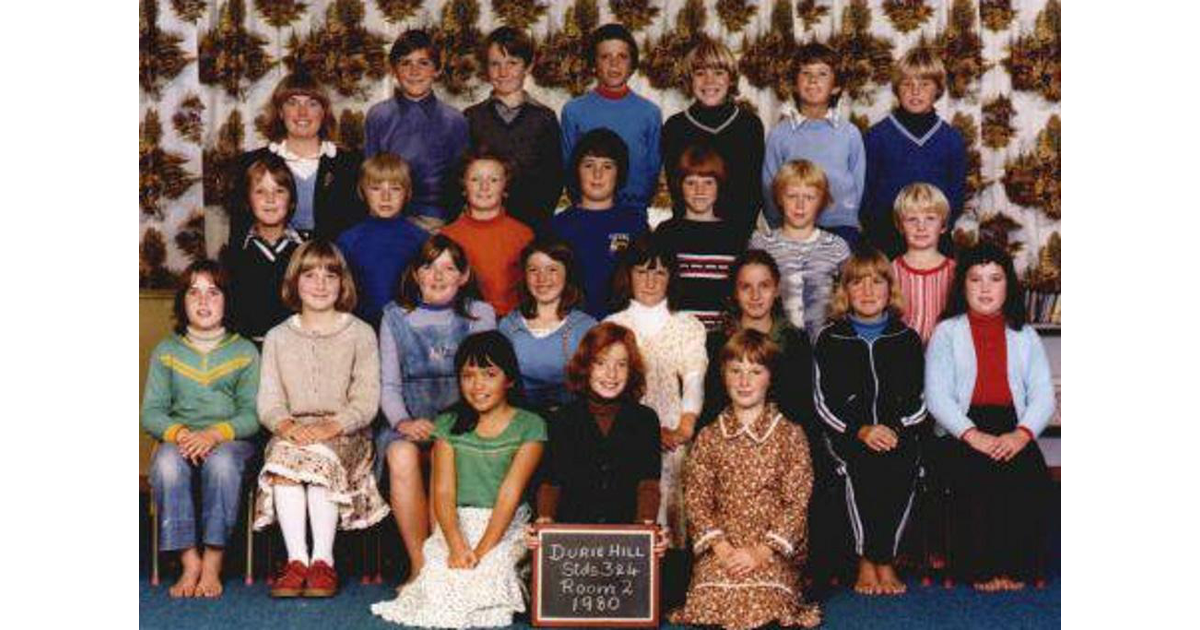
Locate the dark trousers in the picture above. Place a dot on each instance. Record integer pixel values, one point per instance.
(879, 493)
(999, 508)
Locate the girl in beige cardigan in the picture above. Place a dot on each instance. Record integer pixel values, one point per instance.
(318, 395)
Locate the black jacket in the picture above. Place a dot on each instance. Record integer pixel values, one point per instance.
(336, 204)
(599, 474)
(859, 383)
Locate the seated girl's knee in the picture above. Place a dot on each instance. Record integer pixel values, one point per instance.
(225, 464)
(168, 466)
(403, 456)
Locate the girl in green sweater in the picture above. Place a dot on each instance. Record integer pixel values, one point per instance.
(199, 403)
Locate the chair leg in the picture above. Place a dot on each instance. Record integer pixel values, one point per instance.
(153, 543)
(379, 557)
(364, 546)
(250, 497)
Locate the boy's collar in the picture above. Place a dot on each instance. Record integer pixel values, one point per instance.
(796, 118)
(611, 94)
(425, 102)
(290, 235)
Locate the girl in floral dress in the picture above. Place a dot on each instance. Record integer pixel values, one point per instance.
(748, 482)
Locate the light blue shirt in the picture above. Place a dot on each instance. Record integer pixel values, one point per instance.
(833, 144)
(951, 369)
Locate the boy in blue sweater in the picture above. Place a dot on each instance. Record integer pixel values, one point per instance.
(429, 134)
(816, 133)
(379, 248)
(913, 144)
(598, 228)
(638, 122)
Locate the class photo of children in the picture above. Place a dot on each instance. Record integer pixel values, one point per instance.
(777, 283)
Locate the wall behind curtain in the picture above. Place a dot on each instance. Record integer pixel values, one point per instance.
(208, 66)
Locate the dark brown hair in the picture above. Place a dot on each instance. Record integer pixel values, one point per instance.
(983, 254)
(644, 250)
(411, 41)
(273, 165)
(219, 277)
(512, 42)
(297, 84)
(597, 340)
(559, 252)
(733, 312)
(408, 294)
(816, 52)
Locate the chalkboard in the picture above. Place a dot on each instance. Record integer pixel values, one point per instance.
(595, 575)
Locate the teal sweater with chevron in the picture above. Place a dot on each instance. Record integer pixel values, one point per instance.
(197, 390)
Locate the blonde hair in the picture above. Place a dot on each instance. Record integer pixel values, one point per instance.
(919, 197)
(318, 253)
(921, 62)
(385, 168)
(801, 173)
(862, 263)
(710, 54)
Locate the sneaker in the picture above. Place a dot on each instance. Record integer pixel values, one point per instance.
(290, 581)
(322, 580)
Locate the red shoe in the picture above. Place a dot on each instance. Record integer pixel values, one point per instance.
(322, 580)
(290, 581)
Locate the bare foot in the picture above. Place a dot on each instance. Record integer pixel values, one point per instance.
(868, 579)
(210, 574)
(889, 582)
(1009, 584)
(990, 586)
(186, 586)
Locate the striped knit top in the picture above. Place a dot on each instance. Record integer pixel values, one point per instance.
(809, 269)
(925, 293)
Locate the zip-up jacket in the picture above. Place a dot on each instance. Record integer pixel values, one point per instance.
(859, 382)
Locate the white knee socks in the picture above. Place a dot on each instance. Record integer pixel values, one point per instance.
(324, 514)
(290, 509)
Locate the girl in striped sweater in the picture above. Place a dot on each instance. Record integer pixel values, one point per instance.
(923, 273)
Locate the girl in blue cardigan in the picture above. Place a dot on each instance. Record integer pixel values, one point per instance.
(988, 384)
(546, 327)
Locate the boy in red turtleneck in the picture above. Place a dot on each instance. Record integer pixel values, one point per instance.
(614, 55)
(492, 239)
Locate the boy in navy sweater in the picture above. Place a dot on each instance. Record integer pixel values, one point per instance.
(913, 144)
(598, 228)
(612, 104)
(379, 248)
(429, 134)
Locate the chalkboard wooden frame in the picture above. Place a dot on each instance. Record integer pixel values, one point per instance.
(609, 622)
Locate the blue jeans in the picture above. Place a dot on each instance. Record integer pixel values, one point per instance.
(171, 479)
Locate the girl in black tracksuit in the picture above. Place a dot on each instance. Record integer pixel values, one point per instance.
(868, 386)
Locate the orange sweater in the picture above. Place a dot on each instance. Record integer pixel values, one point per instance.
(494, 250)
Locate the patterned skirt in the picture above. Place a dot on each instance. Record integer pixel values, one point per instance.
(769, 595)
(483, 597)
(343, 465)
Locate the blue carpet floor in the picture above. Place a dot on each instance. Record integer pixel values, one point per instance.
(923, 607)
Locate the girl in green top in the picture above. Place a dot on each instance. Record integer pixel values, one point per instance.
(485, 453)
(199, 404)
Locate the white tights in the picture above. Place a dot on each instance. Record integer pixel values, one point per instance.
(290, 507)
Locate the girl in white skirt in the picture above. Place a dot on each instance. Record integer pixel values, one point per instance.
(485, 452)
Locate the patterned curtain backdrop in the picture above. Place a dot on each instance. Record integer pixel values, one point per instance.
(208, 66)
